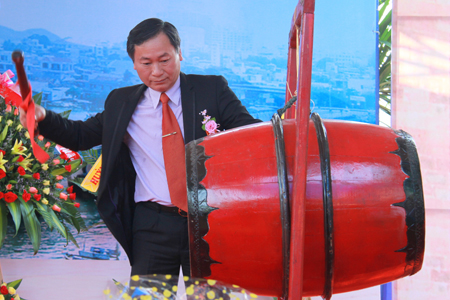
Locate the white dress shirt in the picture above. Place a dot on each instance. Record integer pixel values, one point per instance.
(144, 139)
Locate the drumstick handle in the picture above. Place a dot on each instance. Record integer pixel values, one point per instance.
(18, 59)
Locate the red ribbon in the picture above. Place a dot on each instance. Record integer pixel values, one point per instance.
(28, 105)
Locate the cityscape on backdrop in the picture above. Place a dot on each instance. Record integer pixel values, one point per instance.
(77, 76)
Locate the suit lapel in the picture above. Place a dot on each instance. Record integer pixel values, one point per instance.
(119, 125)
(189, 109)
(128, 107)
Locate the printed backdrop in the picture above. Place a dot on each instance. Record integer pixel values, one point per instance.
(75, 54)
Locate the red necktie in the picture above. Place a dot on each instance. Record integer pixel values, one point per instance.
(174, 155)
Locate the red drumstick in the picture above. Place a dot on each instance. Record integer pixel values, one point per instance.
(28, 104)
(18, 59)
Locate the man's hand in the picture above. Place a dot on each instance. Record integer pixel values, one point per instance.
(39, 113)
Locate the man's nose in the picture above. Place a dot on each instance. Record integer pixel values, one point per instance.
(157, 70)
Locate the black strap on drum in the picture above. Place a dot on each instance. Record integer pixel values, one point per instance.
(284, 199)
(325, 168)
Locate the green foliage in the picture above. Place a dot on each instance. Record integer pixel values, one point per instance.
(30, 191)
(384, 48)
(91, 156)
(32, 223)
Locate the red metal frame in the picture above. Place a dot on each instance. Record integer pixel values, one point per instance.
(302, 28)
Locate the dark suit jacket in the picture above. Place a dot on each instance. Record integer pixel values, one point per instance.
(115, 200)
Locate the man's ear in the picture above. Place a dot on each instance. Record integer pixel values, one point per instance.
(179, 54)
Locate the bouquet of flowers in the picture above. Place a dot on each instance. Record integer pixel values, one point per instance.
(8, 290)
(31, 191)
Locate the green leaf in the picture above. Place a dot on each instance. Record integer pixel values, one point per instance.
(90, 156)
(14, 284)
(32, 224)
(28, 176)
(65, 114)
(75, 164)
(63, 210)
(4, 133)
(3, 222)
(38, 98)
(75, 218)
(58, 171)
(71, 238)
(51, 218)
(12, 181)
(385, 72)
(35, 168)
(15, 213)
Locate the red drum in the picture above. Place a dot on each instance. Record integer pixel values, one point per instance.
(364, 218)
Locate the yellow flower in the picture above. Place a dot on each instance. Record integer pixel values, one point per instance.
(27, 134)
(46, 191)
(44, 167)
(19, 127)
(11, 290)
(46, 182)
(2, 297)
(17, 297)
(44, 201)
(2, 162)
(1, 118)
(26, 162)
(18, 148)
(9, 122)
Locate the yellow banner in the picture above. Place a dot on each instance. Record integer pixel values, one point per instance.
(92, 179)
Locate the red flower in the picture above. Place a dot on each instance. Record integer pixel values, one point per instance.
(70, 189)
(4, 290)
(59, 186)
(59, 177)
(56, 208)
(1, 195)
(16, 112)
(10, 197)
(3, 152)
(63, 196)
(20, 159)
(68, 168)
(21, 170)
(37, 176)
(76, 204)
(72, 196)
(9, 186)
(25, 196)
(2, 174)
(37, 197)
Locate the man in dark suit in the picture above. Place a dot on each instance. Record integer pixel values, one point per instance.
(133, 197)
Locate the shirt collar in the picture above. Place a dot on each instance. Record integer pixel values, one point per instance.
(173, 93)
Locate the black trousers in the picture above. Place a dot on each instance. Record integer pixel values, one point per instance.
(160, 241)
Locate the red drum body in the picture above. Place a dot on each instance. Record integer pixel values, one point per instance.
(238, 226)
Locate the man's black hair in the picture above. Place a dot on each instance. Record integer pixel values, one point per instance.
(148, 29)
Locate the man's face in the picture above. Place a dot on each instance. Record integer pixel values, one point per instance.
(157, 63)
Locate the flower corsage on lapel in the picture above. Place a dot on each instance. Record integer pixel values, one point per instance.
(209, 124)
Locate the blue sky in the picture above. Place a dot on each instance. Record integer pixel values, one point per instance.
(90, 22)
(267, 21)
